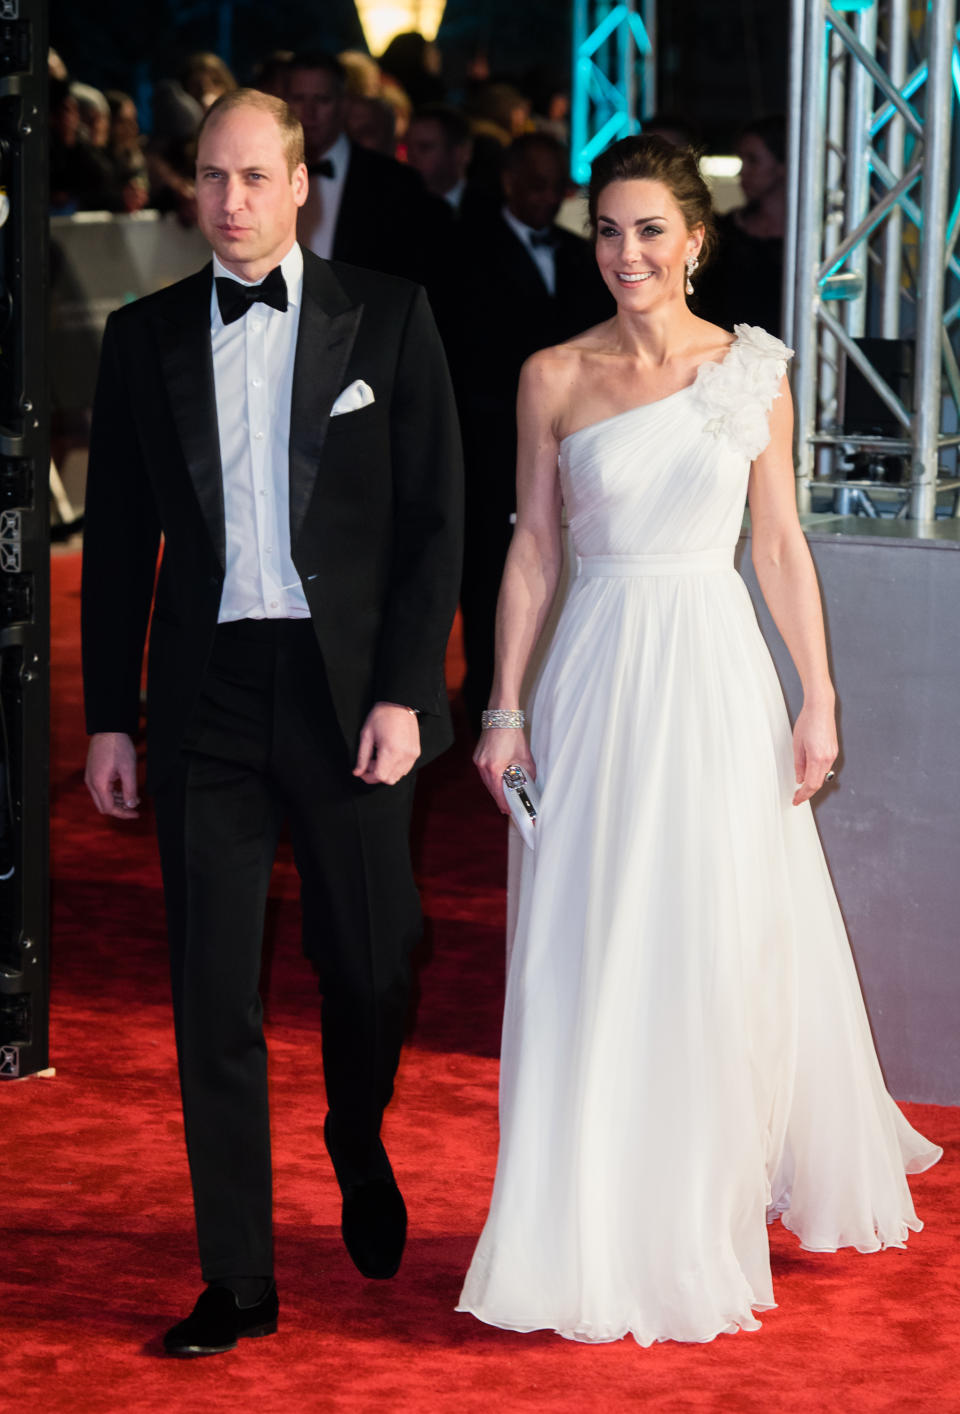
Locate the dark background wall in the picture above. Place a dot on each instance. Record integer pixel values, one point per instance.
(719, 62)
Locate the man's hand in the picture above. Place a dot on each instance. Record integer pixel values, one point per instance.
(111, 775)
(389, 744)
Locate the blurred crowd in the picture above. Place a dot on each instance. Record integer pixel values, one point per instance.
(101, 161)
(460, 192)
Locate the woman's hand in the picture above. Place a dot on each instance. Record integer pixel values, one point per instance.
(814, 748)
(498, 748)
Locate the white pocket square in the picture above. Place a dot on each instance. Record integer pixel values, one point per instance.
(358, 395)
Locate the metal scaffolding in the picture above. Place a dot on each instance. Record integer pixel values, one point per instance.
(614, 75)
(872, 224)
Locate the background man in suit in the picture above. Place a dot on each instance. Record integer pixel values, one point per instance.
(361, 206)
(527, 284)
(440, 148)
(308, 581)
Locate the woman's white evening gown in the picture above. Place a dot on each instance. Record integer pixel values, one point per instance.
(685, 1053)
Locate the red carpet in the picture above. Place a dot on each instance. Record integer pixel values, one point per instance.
(98, 1252)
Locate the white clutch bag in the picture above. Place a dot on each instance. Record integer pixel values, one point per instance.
(523, 799)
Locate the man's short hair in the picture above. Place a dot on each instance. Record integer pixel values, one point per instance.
(323, 60)
(454, 124)
(291, 130)
(521, 147)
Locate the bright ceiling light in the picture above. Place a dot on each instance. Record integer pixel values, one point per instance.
(383, 20)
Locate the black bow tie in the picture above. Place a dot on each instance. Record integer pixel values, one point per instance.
(235, 299)
(541, 239)
(323, 168)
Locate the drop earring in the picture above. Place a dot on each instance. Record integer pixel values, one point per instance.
(692, 263)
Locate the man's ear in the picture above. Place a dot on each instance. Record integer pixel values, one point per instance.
(300, 181)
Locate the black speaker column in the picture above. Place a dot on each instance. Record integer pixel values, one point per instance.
(24, 542)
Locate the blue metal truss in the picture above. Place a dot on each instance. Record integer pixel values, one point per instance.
(613, 76)
(898, 101)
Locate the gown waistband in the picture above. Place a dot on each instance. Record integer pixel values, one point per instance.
(638, 566)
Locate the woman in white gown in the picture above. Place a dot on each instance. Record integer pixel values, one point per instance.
(686, 1055)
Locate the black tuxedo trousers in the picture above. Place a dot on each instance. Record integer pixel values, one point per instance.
(263, 747)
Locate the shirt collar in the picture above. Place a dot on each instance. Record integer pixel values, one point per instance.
(339, 155)
(520, 228)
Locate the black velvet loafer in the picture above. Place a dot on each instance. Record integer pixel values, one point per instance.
(374, 1216)
(217, 1322)
(374, 1227)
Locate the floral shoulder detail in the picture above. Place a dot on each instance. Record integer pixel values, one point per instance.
(751, 336)
(739, 391)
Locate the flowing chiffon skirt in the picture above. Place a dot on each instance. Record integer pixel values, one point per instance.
(686, 1054)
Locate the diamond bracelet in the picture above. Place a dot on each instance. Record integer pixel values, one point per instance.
(502, 717)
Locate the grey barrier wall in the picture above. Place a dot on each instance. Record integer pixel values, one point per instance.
(890, 825)
(99, 262)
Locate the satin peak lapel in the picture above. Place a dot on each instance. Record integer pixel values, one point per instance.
(325, 338)
(188, 373)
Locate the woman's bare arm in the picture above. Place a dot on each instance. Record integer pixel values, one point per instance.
(788, 581)
(532, 569)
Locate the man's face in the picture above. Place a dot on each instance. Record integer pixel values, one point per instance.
(65, 121)
(247, 201)
(440, 163)
(315, 99)
(535, 190)
(125, 128)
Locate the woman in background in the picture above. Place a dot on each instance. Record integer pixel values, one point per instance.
(744, 282)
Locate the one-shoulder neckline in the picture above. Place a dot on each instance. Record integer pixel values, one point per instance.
(655, 402)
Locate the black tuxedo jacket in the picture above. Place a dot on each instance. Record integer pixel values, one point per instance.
(507, 311)
(375, 505)
(389, 221)
(506, 314)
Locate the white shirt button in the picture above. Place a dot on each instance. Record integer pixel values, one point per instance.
(256, 382)
(258, 436)
(258, 324)
(274, 604)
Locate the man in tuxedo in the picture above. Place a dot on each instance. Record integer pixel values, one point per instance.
(528, 283)
(440, 148)
(287, 425)
(361, 206)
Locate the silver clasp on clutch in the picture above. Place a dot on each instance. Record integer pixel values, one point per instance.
(515, 779)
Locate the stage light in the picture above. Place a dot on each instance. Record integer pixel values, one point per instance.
(720, 166)
(383, 20)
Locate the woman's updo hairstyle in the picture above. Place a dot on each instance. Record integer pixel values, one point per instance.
(654, 159)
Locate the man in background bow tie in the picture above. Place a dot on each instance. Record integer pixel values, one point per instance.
(361, 206)
(308, 582)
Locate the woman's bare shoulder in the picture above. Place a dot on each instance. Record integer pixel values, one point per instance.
(712, 339)
(560, 365)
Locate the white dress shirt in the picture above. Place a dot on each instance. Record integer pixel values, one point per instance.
(253, 376)
(317, 225)
(454, 196)
(543, 256)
